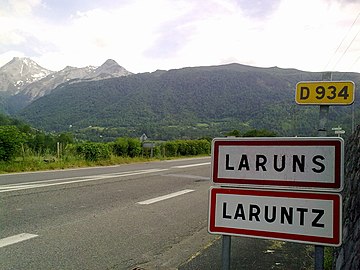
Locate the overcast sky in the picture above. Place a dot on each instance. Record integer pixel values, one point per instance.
(146, 35)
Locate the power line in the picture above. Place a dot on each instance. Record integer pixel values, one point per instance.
(346, 49)
(353, 64)
(342, 41)
(357, 59)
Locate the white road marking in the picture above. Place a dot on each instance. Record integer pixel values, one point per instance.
(6, 187)
(47, 183)
(16, 239)
(80, 179)
(61, 170)
(188, 176)
(191, 165)
(185, 159)
(165, 197)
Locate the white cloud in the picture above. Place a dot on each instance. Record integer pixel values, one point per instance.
(19, 7)
(306, 33)
(162, 34)
(98, 34)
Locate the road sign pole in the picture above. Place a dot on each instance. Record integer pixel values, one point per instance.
(323, 117)
(352, 118)
(319, 257)
(226, 247)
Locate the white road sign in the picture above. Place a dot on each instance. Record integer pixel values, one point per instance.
(283, 162)
(305, 217)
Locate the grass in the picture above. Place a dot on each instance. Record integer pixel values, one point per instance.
(49, 162)
(41, 163)
(328, 258)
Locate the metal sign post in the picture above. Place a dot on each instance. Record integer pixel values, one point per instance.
(323, 117)
(226, 250)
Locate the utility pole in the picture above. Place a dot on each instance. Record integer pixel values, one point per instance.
(324, 110)
(323, 117)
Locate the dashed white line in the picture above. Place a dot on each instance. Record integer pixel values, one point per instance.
(165, 197)
(16, 239)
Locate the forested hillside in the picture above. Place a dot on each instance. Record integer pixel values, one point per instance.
(186, 103)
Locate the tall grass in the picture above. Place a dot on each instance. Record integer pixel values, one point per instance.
(88, 154)
(48, 162)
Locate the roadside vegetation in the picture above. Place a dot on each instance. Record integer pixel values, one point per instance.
(23, 148)
(32, 152)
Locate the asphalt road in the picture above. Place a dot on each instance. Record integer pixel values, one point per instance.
(137, 216)
(149, 215)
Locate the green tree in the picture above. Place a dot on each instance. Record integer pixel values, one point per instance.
(10, 142)
(234, 133)
(259, 133)
(65, 138)
(41, 143)
(37, 142)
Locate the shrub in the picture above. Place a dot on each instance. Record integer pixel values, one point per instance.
(94, 151)
(187, 147)
(259, 133)
(10, 141)
(171, 149)
(134, 148)
(120, 147)
(127, 147)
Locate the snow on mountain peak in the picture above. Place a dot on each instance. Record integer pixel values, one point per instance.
(20, 72)
(24, 76)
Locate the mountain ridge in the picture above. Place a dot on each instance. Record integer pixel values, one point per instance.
(21, 95)
(187, 102)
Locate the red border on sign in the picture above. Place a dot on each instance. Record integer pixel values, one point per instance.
(337, 228)
(281, 142)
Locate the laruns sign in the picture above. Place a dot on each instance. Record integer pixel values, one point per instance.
(282, 162)
(313, 218)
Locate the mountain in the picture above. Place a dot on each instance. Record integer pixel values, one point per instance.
(110, 69)
(19, 73)
(43, 86)
(188, 102)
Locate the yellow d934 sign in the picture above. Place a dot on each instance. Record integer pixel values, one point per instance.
(325, 93)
